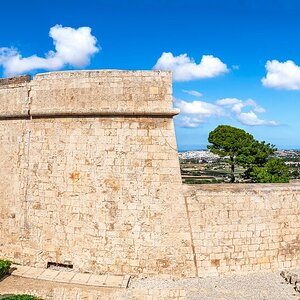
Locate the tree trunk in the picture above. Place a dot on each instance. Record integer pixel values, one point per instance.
(232, 179)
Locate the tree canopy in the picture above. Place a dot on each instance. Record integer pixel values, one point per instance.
(273, 171)
(242, 149)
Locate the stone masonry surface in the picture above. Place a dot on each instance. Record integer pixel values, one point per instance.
(87, 182)
(15, 80)
(243, 228)
(69, 276)
(90, 178)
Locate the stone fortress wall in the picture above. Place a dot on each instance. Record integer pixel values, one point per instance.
(90, 173)
(239, 228)
(90, 177)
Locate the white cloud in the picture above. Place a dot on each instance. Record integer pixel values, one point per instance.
(282, 75)
(190, 122)
(185, 68)
(251, 119)
(202, 108)
(256, 107)
(192, 93)
(247, 118)
(228, 101)
(237, 105)
(73, 47)
(196, 112)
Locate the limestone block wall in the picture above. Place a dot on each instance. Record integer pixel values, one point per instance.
(102, 92)
(90, 174)
(90, 177)
(239, 228)
(14, 97)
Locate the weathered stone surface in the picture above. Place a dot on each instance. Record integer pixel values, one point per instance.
(103, 192)
(240, 228)
(14, 80)
(94, 92)
(90, 177)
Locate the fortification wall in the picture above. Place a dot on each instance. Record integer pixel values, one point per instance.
(90, 173)
(90, 177)
(240, 228)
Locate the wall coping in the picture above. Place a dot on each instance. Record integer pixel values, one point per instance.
(4, 82)
(242, 187)
(97, 73)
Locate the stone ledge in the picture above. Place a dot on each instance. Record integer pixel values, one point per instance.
(36, 114)
(104, 113)
(101, 73)
(108, 280)
(251, 188)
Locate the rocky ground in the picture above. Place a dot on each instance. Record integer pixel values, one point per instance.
(256, 286)
(260, 286)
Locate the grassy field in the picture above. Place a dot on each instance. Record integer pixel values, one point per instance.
(219, 172)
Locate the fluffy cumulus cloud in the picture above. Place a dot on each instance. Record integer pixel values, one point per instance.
(195, 113)
(73, 47)
(185, 68)
(193, 93)
(282, 75)
(236, 105)
(202, 108)
(190, 122)
(251, 119)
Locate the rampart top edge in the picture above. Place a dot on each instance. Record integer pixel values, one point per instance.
(103, 72)
(94, 93)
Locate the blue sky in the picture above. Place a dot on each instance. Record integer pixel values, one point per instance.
(234, 62)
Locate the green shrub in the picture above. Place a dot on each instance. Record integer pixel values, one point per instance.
(274, 171)
(4, 267)
(18, 297)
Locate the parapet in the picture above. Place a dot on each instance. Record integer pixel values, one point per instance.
(14, 80)
(14, 97)
(90, 93)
